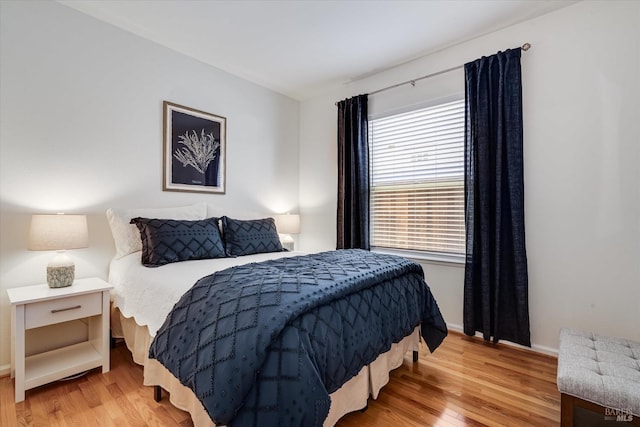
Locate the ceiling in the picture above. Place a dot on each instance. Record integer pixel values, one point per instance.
(300, 47)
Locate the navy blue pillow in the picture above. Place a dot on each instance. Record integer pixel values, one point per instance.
(167, 240)
(250, 237)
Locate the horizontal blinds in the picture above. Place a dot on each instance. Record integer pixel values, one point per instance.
(417, 172)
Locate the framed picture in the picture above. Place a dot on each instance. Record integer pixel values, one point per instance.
(194, 150)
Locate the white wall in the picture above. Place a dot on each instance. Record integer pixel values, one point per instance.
(582, 151)
(81, 131)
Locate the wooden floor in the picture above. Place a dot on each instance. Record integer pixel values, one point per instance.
(466, 382)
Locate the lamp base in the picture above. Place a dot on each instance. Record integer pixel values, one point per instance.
(60, 271)
(288, 246)
(287, 242)
(60, 277)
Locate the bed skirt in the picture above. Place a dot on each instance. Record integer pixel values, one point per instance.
(352, 396)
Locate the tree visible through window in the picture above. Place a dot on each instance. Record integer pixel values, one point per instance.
(417, 179)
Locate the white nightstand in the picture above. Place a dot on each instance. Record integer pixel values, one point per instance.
(40, 305)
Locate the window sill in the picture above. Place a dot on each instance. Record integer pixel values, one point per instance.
(428, 257)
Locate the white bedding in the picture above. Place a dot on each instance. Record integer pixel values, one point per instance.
(149, 294)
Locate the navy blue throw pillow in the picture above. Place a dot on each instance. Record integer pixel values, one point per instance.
(250, 237)
(167, 240)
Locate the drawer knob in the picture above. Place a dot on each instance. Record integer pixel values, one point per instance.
(66, 309)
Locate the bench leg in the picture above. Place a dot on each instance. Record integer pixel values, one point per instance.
(157, 393)
(415, 356)
(566, 410)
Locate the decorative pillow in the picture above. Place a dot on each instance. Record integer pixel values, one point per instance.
(246, 237)
(126, 235)
(168, 240)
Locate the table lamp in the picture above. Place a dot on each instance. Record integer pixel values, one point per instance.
(287, 225)
(58, 233)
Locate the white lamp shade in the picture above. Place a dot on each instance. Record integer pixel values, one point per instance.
(58, 232)
(288, 224)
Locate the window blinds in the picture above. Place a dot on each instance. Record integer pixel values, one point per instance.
(417, 179)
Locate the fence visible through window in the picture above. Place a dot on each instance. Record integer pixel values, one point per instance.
(417, 179)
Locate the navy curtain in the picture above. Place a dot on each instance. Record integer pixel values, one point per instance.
(496, 299)
(353, 174)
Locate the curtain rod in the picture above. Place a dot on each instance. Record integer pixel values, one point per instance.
(412, 82)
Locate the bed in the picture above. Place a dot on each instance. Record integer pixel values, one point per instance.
(147, 301)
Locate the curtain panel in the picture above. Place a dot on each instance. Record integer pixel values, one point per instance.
(496, 280)
(353, 174)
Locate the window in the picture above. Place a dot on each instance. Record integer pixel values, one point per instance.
(417, 180)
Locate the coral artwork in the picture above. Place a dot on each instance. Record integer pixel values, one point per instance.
(194, 146)
(197, 151)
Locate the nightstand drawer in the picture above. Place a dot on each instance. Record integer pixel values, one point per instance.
(62, 310)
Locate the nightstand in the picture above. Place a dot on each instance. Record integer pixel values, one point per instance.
(40, 305)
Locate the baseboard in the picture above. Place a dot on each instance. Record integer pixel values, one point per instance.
(5, 370)
(534, 347)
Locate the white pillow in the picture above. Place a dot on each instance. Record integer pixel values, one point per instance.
(127, 236)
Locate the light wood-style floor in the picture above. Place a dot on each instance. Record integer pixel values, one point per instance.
(466, 382)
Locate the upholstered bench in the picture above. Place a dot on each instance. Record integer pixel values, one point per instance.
(599, 373)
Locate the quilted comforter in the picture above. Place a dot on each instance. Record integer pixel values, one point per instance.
(264, 344)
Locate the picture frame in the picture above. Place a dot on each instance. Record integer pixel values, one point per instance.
(194, 147)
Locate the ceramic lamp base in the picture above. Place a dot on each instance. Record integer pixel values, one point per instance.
(60, 271)
(59, 277)
(287, 242)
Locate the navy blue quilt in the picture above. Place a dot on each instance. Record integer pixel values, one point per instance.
(264, 344)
